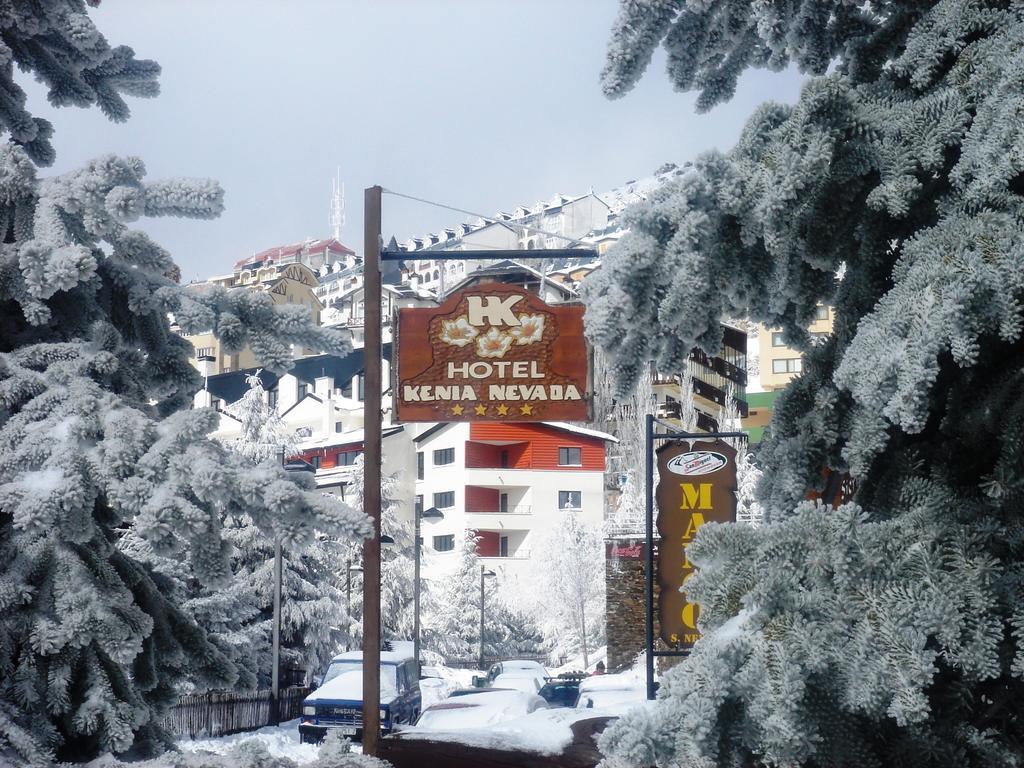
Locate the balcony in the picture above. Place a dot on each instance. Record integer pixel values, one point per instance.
(517, 509)
(522, 554)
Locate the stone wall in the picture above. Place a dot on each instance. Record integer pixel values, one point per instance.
(625, 563)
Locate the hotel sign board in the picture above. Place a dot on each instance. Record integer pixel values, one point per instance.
(492, 352)
(696, 485)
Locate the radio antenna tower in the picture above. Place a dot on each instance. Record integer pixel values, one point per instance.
(337, 219)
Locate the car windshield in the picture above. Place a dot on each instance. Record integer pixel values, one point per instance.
(340, 667)
(388, 672)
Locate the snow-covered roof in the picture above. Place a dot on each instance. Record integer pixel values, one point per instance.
(288, 251)
(503, 268)
(341, 439)
(582, 431)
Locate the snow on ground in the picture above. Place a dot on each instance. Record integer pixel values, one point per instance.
(280, 741)
(576, 664)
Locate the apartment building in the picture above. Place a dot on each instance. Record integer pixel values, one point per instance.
(508, 483)
(777, 365)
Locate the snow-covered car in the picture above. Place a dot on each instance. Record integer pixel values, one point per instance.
(524, 680)
(512, 665)
(337, 704)
(476, 710)
(617, 693)
(561, 692)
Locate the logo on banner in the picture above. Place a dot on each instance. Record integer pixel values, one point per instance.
(697, 463)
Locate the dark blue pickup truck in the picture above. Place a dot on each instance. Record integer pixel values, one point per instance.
(338, 703)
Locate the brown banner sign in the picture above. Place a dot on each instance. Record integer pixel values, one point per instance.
(696, 485)
(492, 352)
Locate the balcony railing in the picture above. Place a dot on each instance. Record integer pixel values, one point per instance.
(518, 509)
(519, 554)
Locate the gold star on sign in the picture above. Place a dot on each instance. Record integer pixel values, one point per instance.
(480, 409)
(502, 410)
(457, 410)
(526, 410)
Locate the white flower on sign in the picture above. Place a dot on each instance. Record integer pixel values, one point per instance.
(494, 343)
(530, 330)
(457, 332)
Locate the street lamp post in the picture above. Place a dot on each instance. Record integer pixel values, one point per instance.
(431, 514)
(483, 573)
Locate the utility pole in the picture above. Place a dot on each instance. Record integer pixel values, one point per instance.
(372, 467)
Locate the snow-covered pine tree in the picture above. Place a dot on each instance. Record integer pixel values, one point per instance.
(451, 620)
(570, 581)
(625, 418)
(95, 431)
(888, 631)
(264, 435)
(397, 566)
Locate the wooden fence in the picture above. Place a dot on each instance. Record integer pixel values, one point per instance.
(221, 713)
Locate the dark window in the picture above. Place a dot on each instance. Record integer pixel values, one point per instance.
(303, 389)
(504, 459)
(503, 503)
(503, 546)
(348, 458)
(315, 461)
(272, 399)
(419, 465)
(570, 457)
(419, 503)
(359, 395)
(444, 500)
(444, 456)
(444, 543)
(570, 500)
(338, 426)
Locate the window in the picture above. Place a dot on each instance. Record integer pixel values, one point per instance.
(338, 426)
(503, 503)
(503, 546)
(444, 543)
(444, 499)
(419, 465)
(204, 352)
(777, 340)
(570, 457)
(348, 458)
(570, 499)
(359, 395)
(821, 313)
(444, 456)
(315, 461)
(787, 365)
(272, 399)
(419, 504)
(504, 460)
(303, 390)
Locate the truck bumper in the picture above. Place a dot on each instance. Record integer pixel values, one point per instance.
(310, 733)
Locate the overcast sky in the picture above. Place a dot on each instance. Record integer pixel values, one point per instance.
(476, 103)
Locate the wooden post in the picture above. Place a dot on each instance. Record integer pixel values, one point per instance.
(372, 467)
